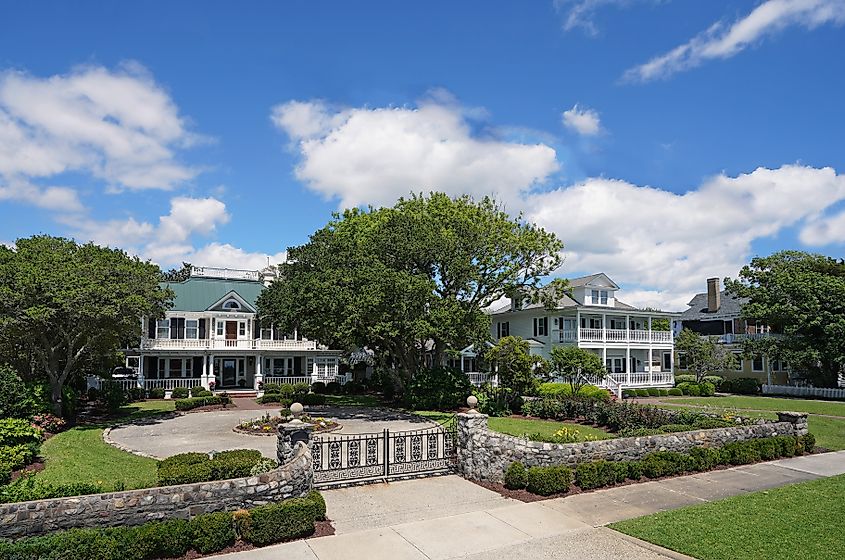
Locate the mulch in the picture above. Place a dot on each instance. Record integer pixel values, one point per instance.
(321, 529)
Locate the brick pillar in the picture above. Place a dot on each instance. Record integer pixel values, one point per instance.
(798, 419)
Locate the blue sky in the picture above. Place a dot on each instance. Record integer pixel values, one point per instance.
(664, 141)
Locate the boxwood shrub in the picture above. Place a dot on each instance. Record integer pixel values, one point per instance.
(546, 481)
(212, 532)
(187, 468)
(200, 392)
(180, 393)
(281, 521)
(275, 398)
(597, 474)
(516, 476)
(156, 393)
(196, 402)
(318, 387)
(653, 392)
(312, 399)
(740, 385)
(642, 392)
(675, 392)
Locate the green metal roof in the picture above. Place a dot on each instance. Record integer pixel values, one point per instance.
(198, 294)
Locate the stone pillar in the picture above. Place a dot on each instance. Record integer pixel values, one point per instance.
(471, 430)
(797, 419)
(292, 433)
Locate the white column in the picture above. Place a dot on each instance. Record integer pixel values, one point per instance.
(672, 363)
(604, 357)
(577, 326)
(204, 378)
(628, 364)
(463, 367)
(141, 371)
(604, 327)
(649, 329)
(259, 376)
(650, 377)
(628, 328)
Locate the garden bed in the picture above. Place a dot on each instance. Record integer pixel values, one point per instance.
(321, 529)
(269, 425)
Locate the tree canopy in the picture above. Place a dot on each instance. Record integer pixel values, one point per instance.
(399, 279)
(704, 356)
(65, 304)
(802, 296)
(516, 367)
(576, 366)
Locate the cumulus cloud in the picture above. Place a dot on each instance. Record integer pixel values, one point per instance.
(668, 243)
(117, 126)
(375, 155)
(583, 120)
(824, 230)
(721, 41)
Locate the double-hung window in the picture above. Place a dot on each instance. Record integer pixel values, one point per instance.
(503, 329)
(266, 333)
(541, 326)
(163, 328)
(682, 361)
(599, 297)
(242, 328)
(191, 328)
(219, 328)
(757, 363)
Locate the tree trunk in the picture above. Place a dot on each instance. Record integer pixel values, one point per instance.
(56, 395)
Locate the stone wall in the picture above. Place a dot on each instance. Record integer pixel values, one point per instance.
(484, 455)
(293, 479)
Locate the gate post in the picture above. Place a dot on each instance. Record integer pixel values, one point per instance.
(471, 431)
(291, 433)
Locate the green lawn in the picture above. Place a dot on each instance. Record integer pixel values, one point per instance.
(796, 522)
(829, 432)
(81, 455)
(766, 403)
(367, 401)
(524, 426)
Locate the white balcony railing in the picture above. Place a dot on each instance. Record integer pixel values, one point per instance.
(170, 384)
(615, 335)
(222, 344)
(731, 338)
(480, 378)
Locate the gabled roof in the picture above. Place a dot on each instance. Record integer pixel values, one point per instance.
(730, 307)
(598, 280)
(200, 294)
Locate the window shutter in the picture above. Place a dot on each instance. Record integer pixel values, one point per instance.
(151, 328)
(174, 327)
(202, 328)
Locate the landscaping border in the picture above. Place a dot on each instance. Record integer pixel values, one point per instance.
(485, 455)
(294, 479)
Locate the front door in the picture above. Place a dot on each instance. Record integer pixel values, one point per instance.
(231, 333)
(230, 372)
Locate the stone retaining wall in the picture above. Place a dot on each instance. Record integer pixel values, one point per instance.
(134, 507)
(484, 455)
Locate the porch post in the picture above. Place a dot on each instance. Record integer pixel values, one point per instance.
(141, 371)
(204, 378)
(628, 364)
(650, 336)
(259, 377)
(650, 376)
(604, 327)
(577, 326)
(628, 328)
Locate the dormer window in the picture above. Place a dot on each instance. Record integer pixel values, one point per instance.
(232, 304)
(599, 297)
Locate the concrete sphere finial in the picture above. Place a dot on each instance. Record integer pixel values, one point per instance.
(472, 401)
(296, 409)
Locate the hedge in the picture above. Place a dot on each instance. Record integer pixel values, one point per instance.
(546, 481)
(156, 393)
(561, 390)
(285, 389)
(312, 399)
(28, 488)
(187, 468)
(196, 402)
(180, 393)
(15, 431)
(267, 398)
(598, 474)
(516, 477)
(206, 534)
(741, 386)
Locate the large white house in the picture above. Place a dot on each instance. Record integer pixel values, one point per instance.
(636, 345)
(213, 332)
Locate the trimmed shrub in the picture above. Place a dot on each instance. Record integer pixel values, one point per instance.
(554, 390)
(180, 393)
(546, 481)
(788, 445)
(187, 468)
(319, 504)
(267, 398)
(740, 453)
(635, 469)
(156, 393)
(271, 388)
(620, 470)
(312, 399)
(663, 392)
(516, 476)
(642, 392)
(596, 474)
(200, 392)
(706, 389)
(15, 431)
(665, 463)
(675, 392)
(628, 393)
(318, 387)
(740, 386)
(439, 388)
(694, 390)
(768, 449)
(162, 539)
(212, 532)
(542, 408)
(281, 521)
(301, 388)
(684, 378)
(809, 442)
(196, 402)
(653, 392)
(705, 458)
(671, 428)
(333, 388)
(716, 380)
(28, 488)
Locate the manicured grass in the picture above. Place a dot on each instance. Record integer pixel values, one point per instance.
(366, 401)
(767, 403)
(829, 432)
(796, 522)
(525, 426)
(81, 455)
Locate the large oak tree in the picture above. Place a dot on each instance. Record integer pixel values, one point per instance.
(65, 304)
(398, 279)
(802, 296)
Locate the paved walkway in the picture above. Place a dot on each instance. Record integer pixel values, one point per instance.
(448, 517)
(212, 431)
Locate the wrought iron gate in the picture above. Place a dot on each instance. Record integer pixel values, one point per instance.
(341, 460)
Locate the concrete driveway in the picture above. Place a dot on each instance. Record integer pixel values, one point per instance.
(212, 431)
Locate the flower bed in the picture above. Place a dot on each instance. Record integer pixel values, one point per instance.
(269, 425)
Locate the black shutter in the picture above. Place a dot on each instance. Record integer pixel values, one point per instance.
(180, 322)
(202, 329)
(174, 327)
(297, 365)
(151, 328)
(197, 366)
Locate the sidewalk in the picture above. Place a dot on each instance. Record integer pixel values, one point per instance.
(448, 517)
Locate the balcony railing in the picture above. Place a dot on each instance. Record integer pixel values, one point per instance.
(731, 338)
(480, 378)
(615, 336)
(221, 344)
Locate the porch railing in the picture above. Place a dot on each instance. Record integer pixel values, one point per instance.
(170, 384)
(478, 378)
(614, 335)
(222, 344)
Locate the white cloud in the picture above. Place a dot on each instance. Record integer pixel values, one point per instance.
(171, 241)
(583, 120)
(375, 155)
(119, 127)
(581, 13)
(668, 243)
(824, 230)
(724, 41)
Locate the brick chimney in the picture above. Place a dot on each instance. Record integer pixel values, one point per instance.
(714, 299)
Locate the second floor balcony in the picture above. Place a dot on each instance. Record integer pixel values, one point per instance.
(615, 336)
(224, 344)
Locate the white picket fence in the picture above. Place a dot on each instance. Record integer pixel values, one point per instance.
(792, 391)
(170, 384)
